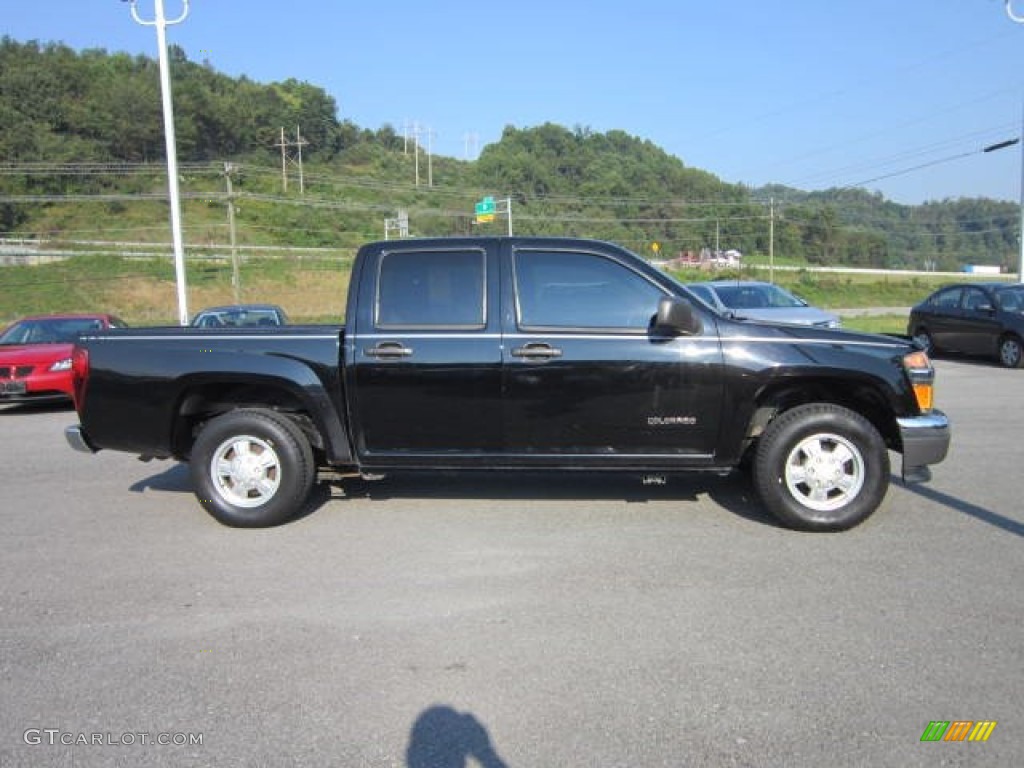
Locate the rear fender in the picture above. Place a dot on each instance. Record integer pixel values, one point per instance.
(267, 380)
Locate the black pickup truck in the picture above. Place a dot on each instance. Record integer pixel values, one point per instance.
(518, 353)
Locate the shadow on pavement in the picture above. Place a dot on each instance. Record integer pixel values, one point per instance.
(733, 492)
(972, 510)
(27, 409)
(441, 737)
(176, 479)
(173, 479)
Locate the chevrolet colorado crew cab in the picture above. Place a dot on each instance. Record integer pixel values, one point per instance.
(515, 353)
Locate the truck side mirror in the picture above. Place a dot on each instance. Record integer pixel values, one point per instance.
(676, 316)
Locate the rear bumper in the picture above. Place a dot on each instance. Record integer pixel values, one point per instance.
(76, 438)
(925, 442)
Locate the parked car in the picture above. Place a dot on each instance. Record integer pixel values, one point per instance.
(755, 300)
(35, 355)
(240, 315)
(974, 319)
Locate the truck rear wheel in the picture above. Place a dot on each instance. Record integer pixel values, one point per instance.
(821, 467)
(252, 468)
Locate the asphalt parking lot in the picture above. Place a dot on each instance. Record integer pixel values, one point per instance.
(515, 621)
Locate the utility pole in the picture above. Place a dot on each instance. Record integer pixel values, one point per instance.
(299, 143)
(430, 157)
(161, 23)
(235, 277)
(284, 160)
(416, 149)
(771, 239)
(417, 130)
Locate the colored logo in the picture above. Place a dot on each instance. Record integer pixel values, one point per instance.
(958, 730)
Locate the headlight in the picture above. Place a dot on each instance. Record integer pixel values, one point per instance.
(62, 365)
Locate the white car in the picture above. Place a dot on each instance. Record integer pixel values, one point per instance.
(754, 300)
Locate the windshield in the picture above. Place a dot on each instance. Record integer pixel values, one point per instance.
(236, 316)
(49, 331)
(756, 296)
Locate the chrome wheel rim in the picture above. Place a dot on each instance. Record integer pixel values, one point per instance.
(825, 472)
(246, 471)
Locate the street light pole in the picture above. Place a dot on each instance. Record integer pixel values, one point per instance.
(1020, 267)
(1020, 261)
(1004, 145)
(161, 23)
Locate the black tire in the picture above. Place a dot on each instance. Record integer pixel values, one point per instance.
(821, 467)
(252, 468)
(1010, 351)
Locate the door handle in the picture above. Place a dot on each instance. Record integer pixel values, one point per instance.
(387, 350)
(536, 351)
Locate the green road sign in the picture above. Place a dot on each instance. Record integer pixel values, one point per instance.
(485, 210)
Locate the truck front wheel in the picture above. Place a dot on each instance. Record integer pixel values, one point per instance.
(252, 468)
(821, 467)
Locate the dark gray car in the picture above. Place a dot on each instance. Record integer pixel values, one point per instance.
(973, 319)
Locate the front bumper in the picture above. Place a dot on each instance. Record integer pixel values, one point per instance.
(76, 438)
(37, 387)
(925, 441)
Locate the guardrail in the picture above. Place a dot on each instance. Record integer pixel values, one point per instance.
(23, 251)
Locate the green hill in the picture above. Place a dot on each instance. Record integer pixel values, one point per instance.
(82, 169)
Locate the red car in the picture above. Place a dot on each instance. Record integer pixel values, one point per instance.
(35, 355)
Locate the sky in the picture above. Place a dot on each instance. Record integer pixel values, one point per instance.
(898, 97)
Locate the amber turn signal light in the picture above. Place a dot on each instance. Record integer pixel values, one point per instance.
(923, 393)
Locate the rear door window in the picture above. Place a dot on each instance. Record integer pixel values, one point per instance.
(975, 300)
(431, 289)
(947, 300)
